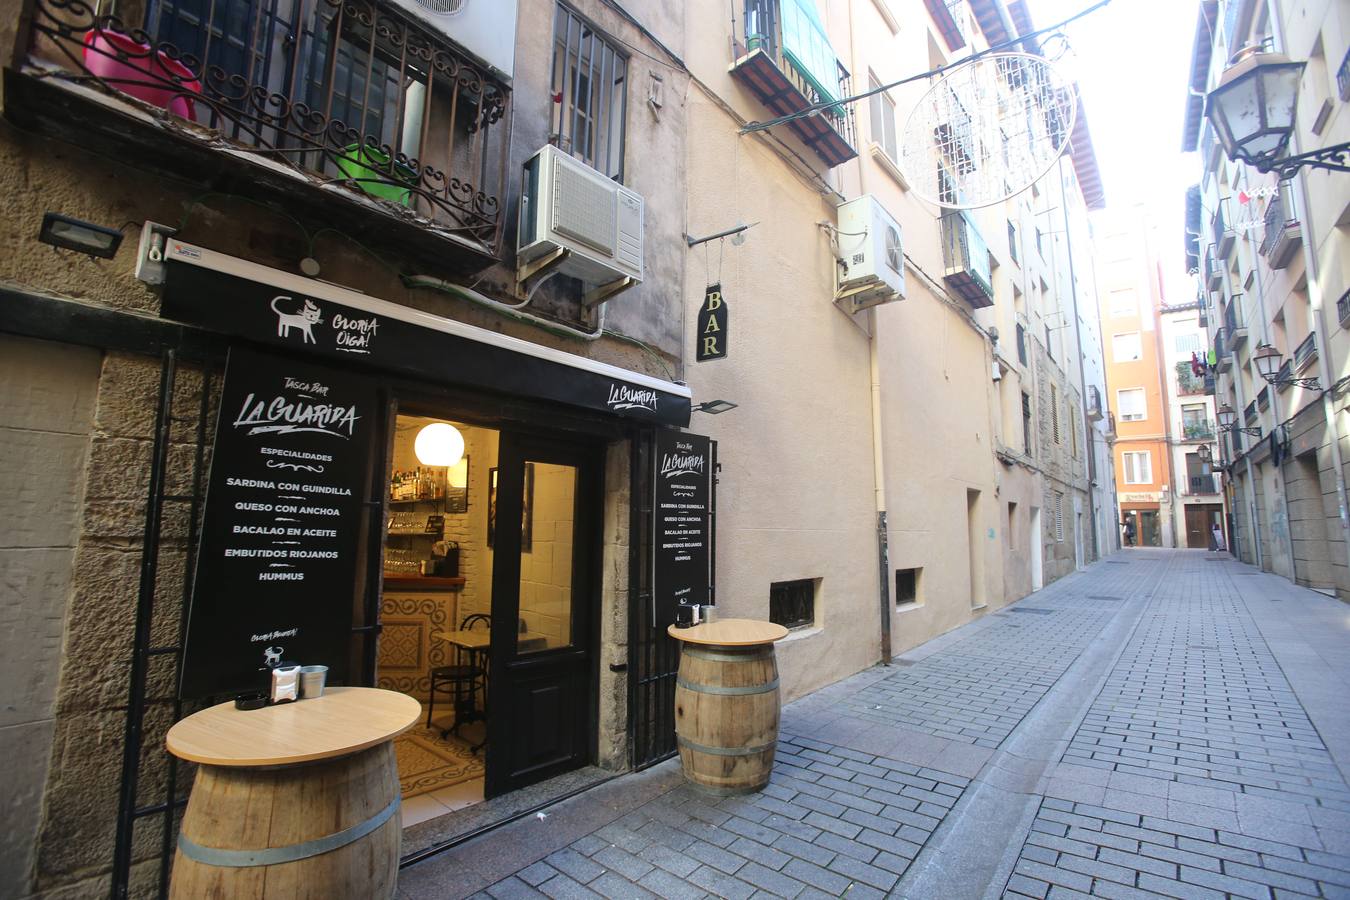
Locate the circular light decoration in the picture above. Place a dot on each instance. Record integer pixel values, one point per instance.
(439, 444)
(988, 130)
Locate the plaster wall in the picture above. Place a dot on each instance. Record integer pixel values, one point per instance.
(795, 490)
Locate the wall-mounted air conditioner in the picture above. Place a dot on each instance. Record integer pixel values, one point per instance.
(586, 225)
(871, 266)
(485, 28)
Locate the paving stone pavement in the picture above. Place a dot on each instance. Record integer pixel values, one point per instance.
(1157, 725)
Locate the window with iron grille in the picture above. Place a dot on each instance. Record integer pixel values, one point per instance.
(1026, 422)
(590, 96)
(1059, 517)
(792, 604)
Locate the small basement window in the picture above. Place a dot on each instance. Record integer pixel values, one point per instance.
(907, 586)
(792, 604)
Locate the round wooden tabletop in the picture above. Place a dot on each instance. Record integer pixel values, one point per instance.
(730, 632)
(344, 720)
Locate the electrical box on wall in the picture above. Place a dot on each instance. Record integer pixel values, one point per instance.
(871, 266)
(591, 223)
(484, 28)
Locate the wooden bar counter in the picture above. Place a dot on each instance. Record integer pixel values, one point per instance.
(727, 704)
(295, 800)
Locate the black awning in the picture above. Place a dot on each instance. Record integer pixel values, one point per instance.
(311, 317)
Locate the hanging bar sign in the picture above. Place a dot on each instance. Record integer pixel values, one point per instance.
(712, 325)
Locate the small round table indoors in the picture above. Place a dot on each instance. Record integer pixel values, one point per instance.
(295, 800)
(726, 704)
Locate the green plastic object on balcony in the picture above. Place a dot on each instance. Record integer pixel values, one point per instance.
(370, 168)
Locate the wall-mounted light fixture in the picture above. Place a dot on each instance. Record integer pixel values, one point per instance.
(1268, 362)
(1228, 422)
(1252, 111)
(82, 237)
(715, 407)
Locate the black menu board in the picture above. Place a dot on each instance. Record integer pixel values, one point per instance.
(681, 534)
(276, 569)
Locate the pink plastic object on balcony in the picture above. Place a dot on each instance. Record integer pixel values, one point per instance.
(138, 76)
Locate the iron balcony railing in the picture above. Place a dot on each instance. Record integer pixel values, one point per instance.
(789, 78)
(1188, 383)
(1263, 398)
(1343, 308)
(347, 92)
(1235, 322)
(1095, 411)
(1198, 431)
(1306, 352)
(1203, 484)
(1249, 413)
(1224, 236)
(1213, 268)
(1221, 358)
(1284, 377)
(1282, 232)
(966, 259)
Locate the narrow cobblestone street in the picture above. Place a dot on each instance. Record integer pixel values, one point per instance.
(1165, 723)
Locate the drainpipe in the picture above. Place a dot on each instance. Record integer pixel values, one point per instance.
(1246, 456)
(878, 458)
(1310, 267)
(1082, 370)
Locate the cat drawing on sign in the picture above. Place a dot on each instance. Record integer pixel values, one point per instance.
(305, 320)
(272, 656)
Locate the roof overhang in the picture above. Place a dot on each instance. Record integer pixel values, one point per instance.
(1202, 51)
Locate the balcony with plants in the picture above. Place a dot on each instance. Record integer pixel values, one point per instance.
(1283, 233)
(1189, 384)
(965, 257)
(348, 111)
(788, 64)
(1197, 430)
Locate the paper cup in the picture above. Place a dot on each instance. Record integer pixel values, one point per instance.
(312, 679)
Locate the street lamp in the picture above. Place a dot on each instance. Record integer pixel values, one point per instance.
(1228, 421)
(1268, 362)
(1252, 112)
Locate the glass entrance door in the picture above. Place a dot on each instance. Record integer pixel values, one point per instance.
(544, 537)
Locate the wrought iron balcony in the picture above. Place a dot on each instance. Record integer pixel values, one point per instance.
(342, 107)
(1224, 235)
(1197, 431)
(1306, 352)
(1263, 399)
(784, 78)
(1343, 309)
(1223, 360)
(1213, 269)
(1249, 413)
(1110, 425)
(1284, 378)
(1188, 383)
(1204, 484)
(966, 259)
(1094, 404)
(1283, 234)
(1234, 322)
(1209, 384)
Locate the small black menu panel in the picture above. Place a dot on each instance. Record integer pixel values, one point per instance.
(276, 569)
(681, 536)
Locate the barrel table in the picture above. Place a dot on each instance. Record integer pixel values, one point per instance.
(726, 704)
(295, 800)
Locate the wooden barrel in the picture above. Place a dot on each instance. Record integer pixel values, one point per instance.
(326, 829)
(726, 716)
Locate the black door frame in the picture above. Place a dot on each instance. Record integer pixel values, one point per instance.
(579, 661)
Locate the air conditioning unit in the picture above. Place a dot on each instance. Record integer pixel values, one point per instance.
(871, 257)
(595, 222)
(486, 29)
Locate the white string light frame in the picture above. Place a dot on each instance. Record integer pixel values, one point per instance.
(988, 130)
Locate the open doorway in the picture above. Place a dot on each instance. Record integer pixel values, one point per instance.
(488, 625)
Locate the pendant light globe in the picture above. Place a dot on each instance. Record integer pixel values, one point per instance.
(439, 444)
